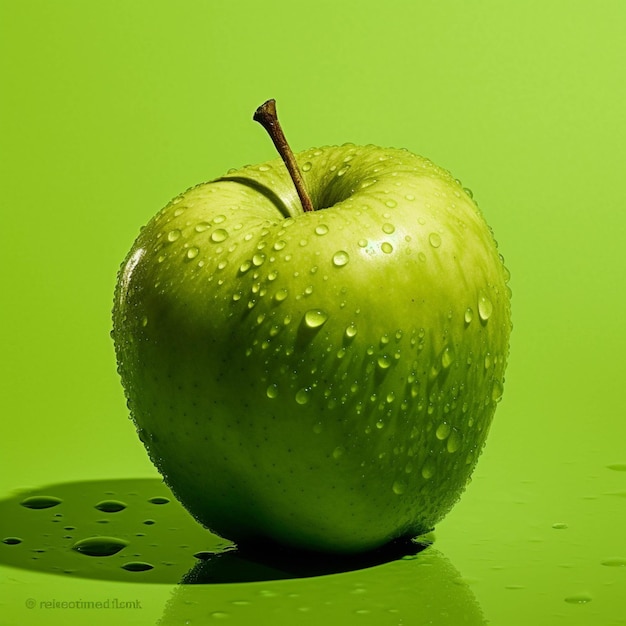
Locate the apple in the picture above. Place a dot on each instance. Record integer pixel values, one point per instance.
(322, 379)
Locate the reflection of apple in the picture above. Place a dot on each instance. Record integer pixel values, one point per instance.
(321, 379)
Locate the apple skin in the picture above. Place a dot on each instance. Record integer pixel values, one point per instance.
(321, 380)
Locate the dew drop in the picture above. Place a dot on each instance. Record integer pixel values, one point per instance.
(264, 168)
(428, 471)
(99, 546)
(447, 358)
(443, 431)
(351, 331)
(386, 247)
(485, 307)
(391, 203)
(399, 487)
(193, 252)
(137, 566)
(280, 295)
(340, 258)
(580, 598)
(12, 541)
(496, 392)
(173, 235)
(342, 170)
(314, 318)
(219, 235)
(40, 502)
(279, 245)
(306, 167)
(202, 226)
(388, 228)
(434, 239)
(258, 259)
(321, 229)
(362, 243)
(559, 526)
(384, 362)
(454, 442)
(338, 452)
(159, 500)
(110, 506)
(272, 391)
(302, 396)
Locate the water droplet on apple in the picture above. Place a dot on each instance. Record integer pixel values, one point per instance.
(192, 252)
(559, 526)
(386, 247)
(137, 566)
(307, 166)
(340, 258)
(202, 226)
(428, 470)
(388, 228)
(351, 331)
(469, 315)
(99, 546)
(321, 229)
(496, 392)
(384, 362)
(454, 442)
(219, 235)
(367, 182)
(279, 245)
(362, 243)
(580, 598)
(264, 168)
(12, 541)
(40, 502)
(399, 487)
(488, 360)
(468, 191)
(280, 295)
(410, 196)
(245, 266)
(434, 239)
(272, 391)
(447, 358)
(614, 562)
(443, 431)
(314, 318)
(485, 307)
(342, 170)
(173, 235)
(258, 259)
(338, 452)
(302, 396)
(111, 506)
(391, 203)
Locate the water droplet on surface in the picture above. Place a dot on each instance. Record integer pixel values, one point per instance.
(279, 245)
(342, 170)
(559, 526)
(193, 252)
(202, 226)
(302, 396)
(469, 315)
(314, 318)
(454, 442)
(321, 229)
(384, 362)
(100, 546)
(40, 502)
(496, 392)
(428, 470)
(485, 307)
(12, 541)
(388, 228)
(280, 295)
(581, 598)
(434, 240)
(159, 500)
(351, 331)
(173, 235)
(614, 562)
(391, 203)
(110, 506)
(399, 487)
(272, 391)
(447, 358)
(137, 566)
(338, 452)
(443, 431)
(306, 167)
(340, 258)
(386, 247)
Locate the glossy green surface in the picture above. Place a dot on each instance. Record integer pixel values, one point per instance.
(110, 109)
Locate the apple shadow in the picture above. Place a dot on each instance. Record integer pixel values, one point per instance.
(134, 530)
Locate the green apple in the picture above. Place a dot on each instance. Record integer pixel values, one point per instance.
(322, 379)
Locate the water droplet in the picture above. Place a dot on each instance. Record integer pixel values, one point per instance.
(257, 259)
(137, 566)
(280, 295)
(245, 266)
(302, 396)
(159, 500)
(617, 467)
(386, 247)
(428, 470)
(469, 315)
(11, 541)
(173, 235)
(342, 170)
(496, 392)
(559, 526)
(321, 229)
(399, 487)
(388, 228)
(110, 506)
(485, 306)
(99, 546)
(306, 167)
(264, 168)
(314, 318)
(384, 362)
(202, 226)
(614, 562)
(391, 203)
(272, 391)
(338, 452)
(581, 598)
(434, 239)
(40, 502)
(317, 429)
(443, 431)
(340, 258)
(454, 442)
(193, 252)
(149, 522)
(351, 331)
(362, 243)
(447, 358)
(218, 219)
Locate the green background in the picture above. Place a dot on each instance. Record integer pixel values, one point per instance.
(109, 109)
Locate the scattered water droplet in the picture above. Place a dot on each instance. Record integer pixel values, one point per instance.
(391, 203)
(12, 541)
(386, 247)
(428, 470)
(485, 306)
(280, 295)
(306, 167)
(340, 258)
(614, 562)
(321, 229)
(447, 358)
(137, 566)
(110, 506)
(384, 362)
(173, 235)
(159, 500)
(559, 526)
(443, 431)
(258, 259)
(99, 546)
(193, 252)
(388, 228)
(272, 391)
(302, 396)
(496, 392)
(314, 318)
(342, 170)
(434, 240)
(581, 598)
(469, 315)
(202, 226)
(454, 442)
(338, 452)
(40, 502)
(351, 331)
(399, 487)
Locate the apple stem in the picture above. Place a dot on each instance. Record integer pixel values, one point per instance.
(267, 117)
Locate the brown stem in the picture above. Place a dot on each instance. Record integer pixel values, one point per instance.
(267, 117)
